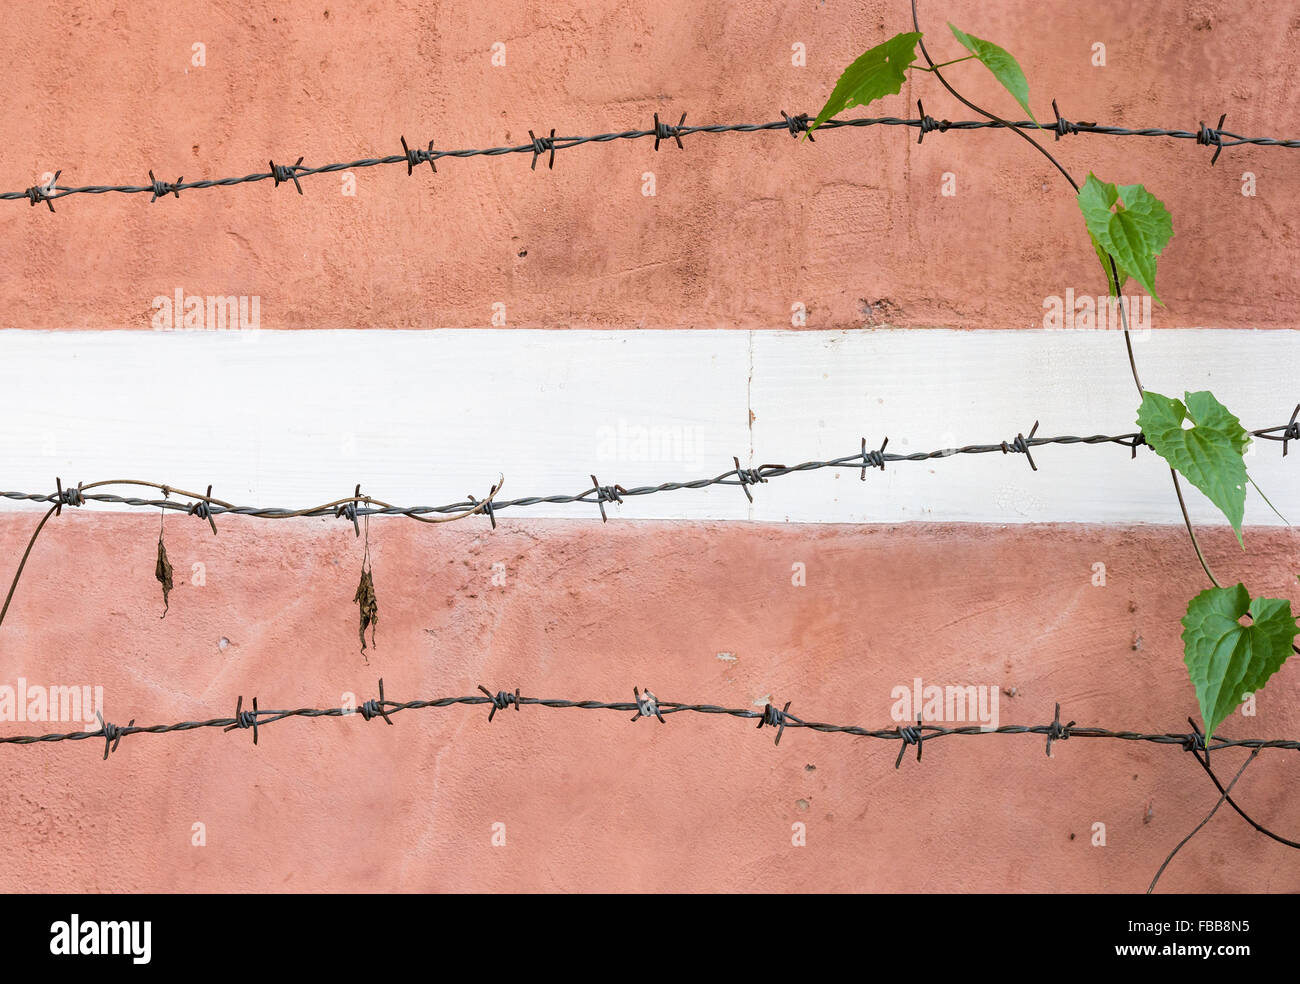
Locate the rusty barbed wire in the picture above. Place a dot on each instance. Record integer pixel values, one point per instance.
(795, 125)
(206, 508)
(352, 507)
(358, 506)
(645, 704)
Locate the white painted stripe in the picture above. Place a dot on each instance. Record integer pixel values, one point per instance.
(296, 418)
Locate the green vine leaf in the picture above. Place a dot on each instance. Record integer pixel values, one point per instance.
(1134, 233)
(1226, 659)
(999, 61)
(1209, 454)
(878, 72)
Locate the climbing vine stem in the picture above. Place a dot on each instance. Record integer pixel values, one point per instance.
(1198, 437)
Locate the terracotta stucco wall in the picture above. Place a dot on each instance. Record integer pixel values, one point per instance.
(590, 801)
(741, 227)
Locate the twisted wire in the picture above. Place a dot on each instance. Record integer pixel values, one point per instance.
(548, 146)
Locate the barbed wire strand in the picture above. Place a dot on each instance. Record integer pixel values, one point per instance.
(547, 146)
(646, 704)
(206, 507)
(351, 507)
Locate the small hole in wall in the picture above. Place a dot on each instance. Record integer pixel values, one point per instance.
(222, 643)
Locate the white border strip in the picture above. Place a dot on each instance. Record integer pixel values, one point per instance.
(424, 417)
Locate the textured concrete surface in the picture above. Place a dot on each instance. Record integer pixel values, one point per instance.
(589, 801)
(742, 226)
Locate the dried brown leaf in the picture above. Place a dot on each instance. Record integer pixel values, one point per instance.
(368, 607)
(163, 572)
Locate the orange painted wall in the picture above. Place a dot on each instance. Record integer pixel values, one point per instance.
(590, 801)
(742, 226)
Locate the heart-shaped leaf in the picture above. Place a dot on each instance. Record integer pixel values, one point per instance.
(1134, 233)
(1209, 454)
(998, 61)
(878, 72)
(1226, 659)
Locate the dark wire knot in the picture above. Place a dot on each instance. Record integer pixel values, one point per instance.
(774, 718)
(873, 459)
(67, 497)
(500, 700)
(929, 124)
(44, 193)
(112, 734)
(1207, 137)
(607, 493)
(162, 189)
(486, 510)
(647, 705)
(540, 146)
(750, 476)
(1057, 731)
(1063, 126)
(286, 172)
(1197, 741)
(1138, 440)
(203, 509)
(1021, 445)
(665, 131)
(416, 157)
(243, 718)
(797, 124)
(375, 708)
(348, 510)
(1292, 432)
(910, 736)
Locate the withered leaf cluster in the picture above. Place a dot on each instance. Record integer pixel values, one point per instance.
(369, 608)
(163, 572)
